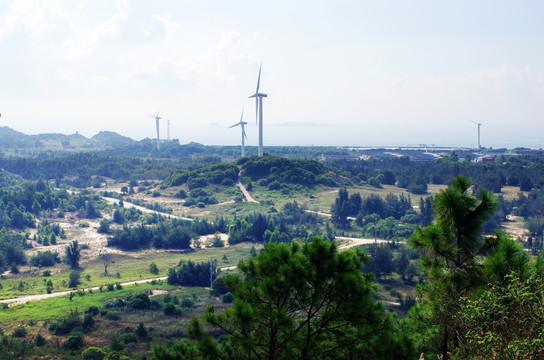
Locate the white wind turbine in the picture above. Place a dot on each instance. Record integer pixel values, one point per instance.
(244, 136)
(157, 118)
(479, 124)
(259, 111)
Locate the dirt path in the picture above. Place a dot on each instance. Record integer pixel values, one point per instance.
(327, 214)
(246, 193)
(144, 209)
(358, 242)
(25, 299)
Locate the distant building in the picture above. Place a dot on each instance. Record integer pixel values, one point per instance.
(485, 159)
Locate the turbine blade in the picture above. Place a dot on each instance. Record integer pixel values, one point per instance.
(241, 117)
(259, 79)
(234, 125)
(244, 133)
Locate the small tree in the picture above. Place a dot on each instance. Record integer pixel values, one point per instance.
(72, 255)
(153, 269)
(73, 279)
(106, 259)
(49, 286)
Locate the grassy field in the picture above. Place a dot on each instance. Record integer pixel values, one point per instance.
(129, 266)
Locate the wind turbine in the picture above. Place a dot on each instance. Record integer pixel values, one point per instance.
(259, 111)
(157, 118)
(479, 124)
(244, 136)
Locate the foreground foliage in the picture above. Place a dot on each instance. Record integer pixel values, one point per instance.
(298, 302)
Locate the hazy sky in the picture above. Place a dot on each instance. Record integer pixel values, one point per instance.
(336, 72)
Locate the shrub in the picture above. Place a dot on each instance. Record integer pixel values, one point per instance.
(73, 342)
(88, 322)
(40, 340)
(67, 324)
(46, 258)
(141, 331)
(19, 332)
(112, 315)
(187, 303)
(139, 302)
(73, 279)
(128, 338)
(93, 310)
(153, 269)
(93, 353)
(171, 310)
(47, 273)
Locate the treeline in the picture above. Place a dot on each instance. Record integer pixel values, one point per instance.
(176, 234)
(189, 273)
(84, 167)
(173, 149)
(398, 207)
(291, 222)
(525, 172)
(11, 250)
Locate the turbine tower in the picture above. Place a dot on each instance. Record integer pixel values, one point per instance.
(244, 136)
(259, 111)
(479, 124)
(168, 131)
(157, 118)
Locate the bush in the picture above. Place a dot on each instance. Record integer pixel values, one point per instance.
(40, 340)
(93, 353)
(19, 332)
(128, 338)
(139, 301)
(93, 310)
(47, 273)
(44, 259)
(112, 315)
(73, 342)
(73, 279)
(67, 324)
(171, 310)
(88, 322)
(187, 303)
(141, 331)
(153, 269)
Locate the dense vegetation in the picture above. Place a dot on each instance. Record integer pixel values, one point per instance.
(275, 172)
(299, 297)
